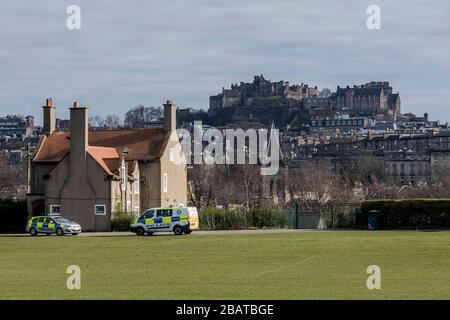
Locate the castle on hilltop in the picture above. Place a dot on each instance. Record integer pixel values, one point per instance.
(266, 101)
(249, 94)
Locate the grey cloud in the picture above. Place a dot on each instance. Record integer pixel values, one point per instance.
(131, 52)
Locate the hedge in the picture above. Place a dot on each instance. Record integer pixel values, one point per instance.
(409, 213)
(13, 216)
(259, 218)
(121, 222)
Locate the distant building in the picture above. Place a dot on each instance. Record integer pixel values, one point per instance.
(343, 124)
(373, 99)
(247, 94)
(17, 126)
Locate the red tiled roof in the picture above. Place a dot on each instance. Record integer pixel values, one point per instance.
(101, 155)
(143, 144)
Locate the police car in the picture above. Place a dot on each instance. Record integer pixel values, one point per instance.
(52, 224)
(176, 220)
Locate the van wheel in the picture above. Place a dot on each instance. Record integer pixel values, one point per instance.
(140, 231)
(59, 232)
(177, 230)
(33, 232)
(188, 231)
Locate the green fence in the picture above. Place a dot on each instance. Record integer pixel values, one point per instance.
(328, 216)
(341, 215)
(261, 218)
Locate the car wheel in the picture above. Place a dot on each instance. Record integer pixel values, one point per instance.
(59, 232)
(149, 233)
(177, 230)
(33, 232)
(140, 231)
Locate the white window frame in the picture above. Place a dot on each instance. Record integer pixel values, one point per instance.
(137, 184)
(165, 183)
(124, 175)
(171, 153)
(100, 206)
(53, 206)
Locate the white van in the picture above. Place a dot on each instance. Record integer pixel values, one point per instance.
(176, 220)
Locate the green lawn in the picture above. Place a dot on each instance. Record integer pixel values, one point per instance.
(319, 265)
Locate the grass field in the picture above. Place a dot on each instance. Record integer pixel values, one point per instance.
(319, 265)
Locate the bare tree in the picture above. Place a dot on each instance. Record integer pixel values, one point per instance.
(203, 182)
(140, 114)
(315, 183)
(112, 122)
(109, 122)
(12, 180)
(245, 180)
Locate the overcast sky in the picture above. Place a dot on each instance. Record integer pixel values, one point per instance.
(145, 52)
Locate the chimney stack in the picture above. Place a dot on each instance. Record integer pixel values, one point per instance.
(170, 116)
(78, 140)
(49, 117)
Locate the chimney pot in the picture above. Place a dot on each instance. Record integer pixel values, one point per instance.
(75, 104)
(49, 102)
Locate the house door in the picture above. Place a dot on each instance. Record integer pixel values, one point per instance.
(38, 207)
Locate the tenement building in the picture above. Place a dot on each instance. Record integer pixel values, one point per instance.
(17, 127)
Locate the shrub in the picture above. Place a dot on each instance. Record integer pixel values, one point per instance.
(121, 222)
(409, 212)
(13, 216)
(221, 219)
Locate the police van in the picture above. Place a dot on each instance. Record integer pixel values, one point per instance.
(176, 220)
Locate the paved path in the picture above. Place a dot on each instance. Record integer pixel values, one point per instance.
(204, 233)
(195, 233)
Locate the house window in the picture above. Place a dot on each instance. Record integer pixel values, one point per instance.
(171, 154)
(165, 183)
(100, 210)
(55, 210)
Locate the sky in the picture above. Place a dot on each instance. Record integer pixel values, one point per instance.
(146, 52)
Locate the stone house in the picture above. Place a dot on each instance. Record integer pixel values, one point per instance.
(89, 176)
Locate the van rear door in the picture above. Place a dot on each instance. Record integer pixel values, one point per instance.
(193, 218)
